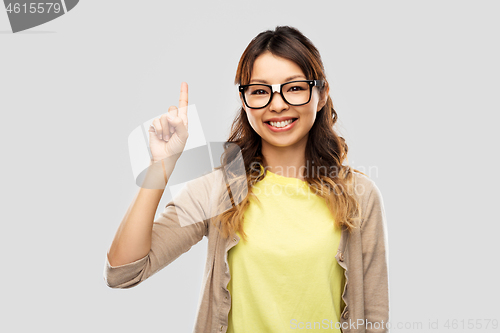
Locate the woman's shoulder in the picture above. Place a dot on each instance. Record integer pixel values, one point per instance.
(365, 187)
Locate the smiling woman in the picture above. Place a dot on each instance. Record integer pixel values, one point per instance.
(305, 244)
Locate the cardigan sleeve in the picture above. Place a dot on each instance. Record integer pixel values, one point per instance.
(375, 263)
(182, 224)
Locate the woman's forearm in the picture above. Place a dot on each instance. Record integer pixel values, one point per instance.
(133, 238)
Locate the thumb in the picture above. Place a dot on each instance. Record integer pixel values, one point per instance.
(179, 126)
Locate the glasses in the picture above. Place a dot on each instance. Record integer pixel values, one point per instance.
(295, 93)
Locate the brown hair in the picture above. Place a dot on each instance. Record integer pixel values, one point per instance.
(324, 150)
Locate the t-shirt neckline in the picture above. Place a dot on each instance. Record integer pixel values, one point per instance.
(284, 180)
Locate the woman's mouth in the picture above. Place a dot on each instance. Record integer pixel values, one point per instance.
(281, 126)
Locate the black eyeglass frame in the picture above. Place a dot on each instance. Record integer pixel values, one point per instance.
(278, 88)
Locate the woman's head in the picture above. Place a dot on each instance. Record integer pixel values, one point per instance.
(282, 120)
(274, 57)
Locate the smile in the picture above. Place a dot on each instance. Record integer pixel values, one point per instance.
(281, 125)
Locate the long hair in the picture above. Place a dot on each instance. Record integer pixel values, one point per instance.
(325, 154)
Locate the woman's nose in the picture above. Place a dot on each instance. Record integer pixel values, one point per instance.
(277, 103)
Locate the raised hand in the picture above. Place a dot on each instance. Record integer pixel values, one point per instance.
(168, 134)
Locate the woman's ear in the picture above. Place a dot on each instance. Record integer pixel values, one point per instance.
(323, 96)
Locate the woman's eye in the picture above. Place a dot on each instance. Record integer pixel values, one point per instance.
(295, 88)
(259, 92)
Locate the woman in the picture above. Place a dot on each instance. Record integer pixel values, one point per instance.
(303, 243)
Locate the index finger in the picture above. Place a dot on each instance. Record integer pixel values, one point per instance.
(183, 99)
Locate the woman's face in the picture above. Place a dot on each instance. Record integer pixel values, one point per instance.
(271, 69)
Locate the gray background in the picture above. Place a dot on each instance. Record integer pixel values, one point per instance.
(416, 86)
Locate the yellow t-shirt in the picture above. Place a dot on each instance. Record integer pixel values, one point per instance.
(286, 277)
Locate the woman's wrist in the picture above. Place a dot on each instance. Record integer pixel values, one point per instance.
(158, 173)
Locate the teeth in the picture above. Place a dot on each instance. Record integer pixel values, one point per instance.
(281, 123)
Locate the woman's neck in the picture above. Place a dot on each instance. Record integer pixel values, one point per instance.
(284, 161)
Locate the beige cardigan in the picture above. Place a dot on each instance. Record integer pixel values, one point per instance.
(363, 254)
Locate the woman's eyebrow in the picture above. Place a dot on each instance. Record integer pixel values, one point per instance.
(294, 77)
(286, 80)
